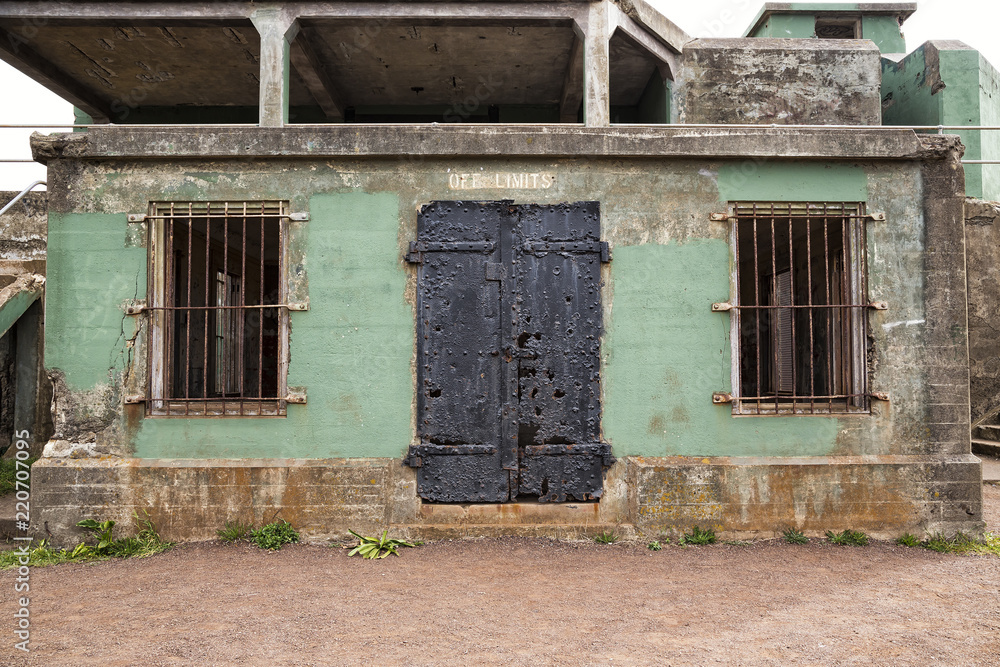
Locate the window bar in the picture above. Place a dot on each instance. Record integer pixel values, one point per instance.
(225, 277)
(862, 242)
(791, 301)
(809, 302)
(208, 256)
(260, 317)
(243, 303)
(774, 292)
(848, 383)
(830, 310)
(756, 303)
(187, 313)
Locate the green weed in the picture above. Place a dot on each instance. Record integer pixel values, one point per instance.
(607, 537)
(654, 545)
(234, 531)
(852, 538)
(373, 547)
(274, 535)
(699, 536)
(908, 540)
(146, 542)
(793, 536)
(8, 474)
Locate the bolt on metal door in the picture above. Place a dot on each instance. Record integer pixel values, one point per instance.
(509, 324)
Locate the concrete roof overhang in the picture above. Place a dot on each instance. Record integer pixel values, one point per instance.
(107, 56)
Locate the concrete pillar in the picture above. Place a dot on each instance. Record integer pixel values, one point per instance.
(596, 78)
(277, 29)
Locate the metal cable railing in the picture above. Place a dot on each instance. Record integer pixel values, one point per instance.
(938, 129)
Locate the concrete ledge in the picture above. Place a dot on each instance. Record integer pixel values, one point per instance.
(351, 141)
(738, 497)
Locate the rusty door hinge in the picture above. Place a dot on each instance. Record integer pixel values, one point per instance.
(721, 307)
(880, 395)
(877, 217)
(720, 217)
(135, 308)
(135, 398)
(136, 217)
(721, 397)
(879, 305)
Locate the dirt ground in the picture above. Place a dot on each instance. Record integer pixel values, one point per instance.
(518, 601)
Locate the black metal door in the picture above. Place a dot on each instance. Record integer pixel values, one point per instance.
(509, 323)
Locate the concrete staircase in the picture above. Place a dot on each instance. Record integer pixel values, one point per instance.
(986, 437)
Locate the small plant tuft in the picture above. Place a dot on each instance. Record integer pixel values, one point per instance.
(8, 473)
(607, 537)
(793, 536)
(654, 545)
(234, 531)
(378, 547)
(851, 538)
(908, 540)
(274, 535)
(699, 536)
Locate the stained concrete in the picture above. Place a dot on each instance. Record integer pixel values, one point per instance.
(982, 235)
(784, 81)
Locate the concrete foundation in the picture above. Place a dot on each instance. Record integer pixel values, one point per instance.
(645, 497)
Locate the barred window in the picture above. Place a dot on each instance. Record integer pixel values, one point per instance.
(799, 322)
(219, 328)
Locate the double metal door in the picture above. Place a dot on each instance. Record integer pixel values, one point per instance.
(508, 352)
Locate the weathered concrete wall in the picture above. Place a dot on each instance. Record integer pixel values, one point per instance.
(22, 230)
(982, 239)
(663, 354)
(796, 81)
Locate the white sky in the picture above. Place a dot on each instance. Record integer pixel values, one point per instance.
(971, 21)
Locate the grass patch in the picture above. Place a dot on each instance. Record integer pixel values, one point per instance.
(964, 544)
(234, 531)
(607, 537)
(654, 545)
(698, 536)
(146, 542)
(850, 538)
(8, 473)
(793, 536)
(908, 540)
(274, 535)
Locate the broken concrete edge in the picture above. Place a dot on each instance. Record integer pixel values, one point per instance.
(16, 297)
(645, 498)
(506, 140)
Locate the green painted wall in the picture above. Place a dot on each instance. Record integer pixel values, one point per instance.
(989, 114)
(658, 396)
(351, 351)
(92, 269)
(785, 26)
(664, 351)
(884, 31)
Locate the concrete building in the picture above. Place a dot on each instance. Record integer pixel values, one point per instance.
(474, 268)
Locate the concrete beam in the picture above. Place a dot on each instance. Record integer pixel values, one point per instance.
(307, 64)
(621, 21)
(277, 29)
(572, 92)
(596, 32)
(15, 51)
(349, 141)
(103, 12)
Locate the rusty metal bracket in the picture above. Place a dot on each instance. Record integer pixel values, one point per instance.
(298, 217)
(135, 309)
(297, 397)
(879, 305)
(135, 398)
(301, 306)
(721, 307)
(136, 217)
(720, 217)
(876, 217)
(880, 395)
(721, 397)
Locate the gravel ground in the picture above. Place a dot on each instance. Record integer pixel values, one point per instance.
(518, 601)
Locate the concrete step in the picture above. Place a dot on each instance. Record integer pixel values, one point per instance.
(510, 514)
(549, 530)
(986, 447)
